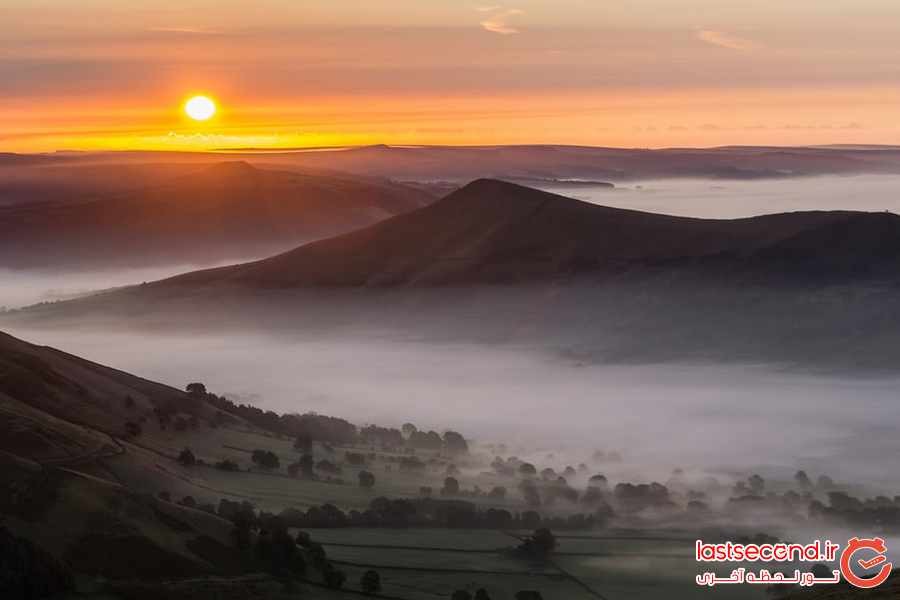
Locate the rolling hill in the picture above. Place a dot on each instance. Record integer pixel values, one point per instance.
(493, 232)
(496, 262)
(208, 213)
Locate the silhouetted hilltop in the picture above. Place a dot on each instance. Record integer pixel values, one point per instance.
(496, 232)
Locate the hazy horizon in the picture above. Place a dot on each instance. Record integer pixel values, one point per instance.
(114, 74)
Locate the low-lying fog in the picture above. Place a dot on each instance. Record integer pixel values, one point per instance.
(20, 288)
(659, 416)
(729, 199)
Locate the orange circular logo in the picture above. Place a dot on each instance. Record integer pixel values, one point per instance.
(873, 558)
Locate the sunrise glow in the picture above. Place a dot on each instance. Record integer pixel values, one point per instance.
(567, 72)
(200, 108)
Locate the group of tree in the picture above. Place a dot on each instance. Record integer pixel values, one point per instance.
(383, 437)
(879, 513)
(451, 442)
(429, 512)
(305, 428)
(265, 459)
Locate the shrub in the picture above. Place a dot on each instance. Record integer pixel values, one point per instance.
(187, 458)
(266, 459)
(370, 583)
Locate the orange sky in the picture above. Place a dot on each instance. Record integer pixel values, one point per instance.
(286, 73)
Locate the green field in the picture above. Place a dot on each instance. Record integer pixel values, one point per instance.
(430, 563)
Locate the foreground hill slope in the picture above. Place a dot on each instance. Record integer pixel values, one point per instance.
(66, 509)
(495, 232)
(226, 210)
(77, 390)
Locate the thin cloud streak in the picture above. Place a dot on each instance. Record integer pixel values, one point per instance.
(726, 40)
(499, 22)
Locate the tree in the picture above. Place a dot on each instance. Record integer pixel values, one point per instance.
(452, 470)
(598, 481)
(132, 429)
(195, 390)
(129, 402)
(802, 480)
(454, 443)
(527, 470)
(266, 459)
(757, 484)
(187, 458)
(370, 583)
(461, 595)
(408, 429)
(451, 487)
(426, 441)
(366, 479)
(481, 594)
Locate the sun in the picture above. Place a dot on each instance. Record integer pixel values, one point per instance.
(200, 108)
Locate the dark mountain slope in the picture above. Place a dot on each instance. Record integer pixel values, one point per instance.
(80, 391)
(495, 232)
(66, 457)
(228, 210)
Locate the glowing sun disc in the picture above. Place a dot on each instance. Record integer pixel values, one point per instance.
(200, 108)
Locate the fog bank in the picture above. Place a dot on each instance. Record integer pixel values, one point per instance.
(663, 415)
(729, 199)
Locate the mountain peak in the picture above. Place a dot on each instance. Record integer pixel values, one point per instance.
(487, 184)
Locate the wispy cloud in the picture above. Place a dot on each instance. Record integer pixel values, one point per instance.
(726, 40)
(185, 30)
(498, 21)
